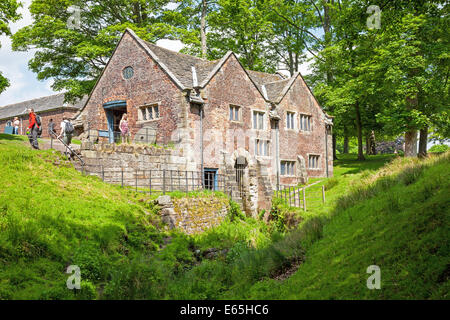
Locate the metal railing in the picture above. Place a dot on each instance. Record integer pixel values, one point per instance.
(162, 180)
(53, 133)
(301, 196)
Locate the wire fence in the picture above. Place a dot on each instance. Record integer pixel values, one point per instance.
(162, 181)
(301, 197)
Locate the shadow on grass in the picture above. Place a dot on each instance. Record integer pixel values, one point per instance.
(354, 166)
(12, 137)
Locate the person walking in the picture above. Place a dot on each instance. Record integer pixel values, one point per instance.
(33, 129)
(51, 127)
(124, 129)
(67, 133)
(16, 124)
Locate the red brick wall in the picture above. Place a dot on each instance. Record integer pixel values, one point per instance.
(150, 84)
(230, 85)
(297, 142)
(56, 115)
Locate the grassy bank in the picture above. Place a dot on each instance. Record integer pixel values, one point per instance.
(397, 218)
(393, 216)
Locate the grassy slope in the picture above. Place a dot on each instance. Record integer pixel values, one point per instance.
(398, 219)
(51, 217)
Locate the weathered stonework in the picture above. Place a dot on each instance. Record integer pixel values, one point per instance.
(194, 214)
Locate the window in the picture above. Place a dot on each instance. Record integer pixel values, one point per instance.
(313, 162)
(234, 113)
(258, 120)
(149, 113)
(128, 73)
(287, 168)
(261, 147)
(290, 120)
(305, 122)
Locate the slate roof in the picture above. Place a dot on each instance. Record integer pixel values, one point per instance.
(180, 65)
(39, 105)
(274, 89)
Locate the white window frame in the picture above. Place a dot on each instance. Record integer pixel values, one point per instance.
(239, 110)
(287, 173)
(263, 119)
(147, 109)
(316, 163)
(294, 120)
(262, 147)
(310, 124)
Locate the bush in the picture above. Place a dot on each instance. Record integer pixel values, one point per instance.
(438, 148)
(235, 212)
(331, 183)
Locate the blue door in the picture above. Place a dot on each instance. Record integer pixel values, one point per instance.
(109, 110)
(211, 179)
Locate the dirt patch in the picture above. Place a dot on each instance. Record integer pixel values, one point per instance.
(287, 270)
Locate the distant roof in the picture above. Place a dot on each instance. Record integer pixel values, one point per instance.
(39, 105)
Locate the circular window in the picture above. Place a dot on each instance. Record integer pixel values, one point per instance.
(128, 72)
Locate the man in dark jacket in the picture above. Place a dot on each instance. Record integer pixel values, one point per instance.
(33, 129)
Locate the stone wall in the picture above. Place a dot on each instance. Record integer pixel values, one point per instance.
(193, 214)
(137, 157)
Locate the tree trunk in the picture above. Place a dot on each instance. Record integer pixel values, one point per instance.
(423, 140)
(203, 28)
(334, 146)
(411, 143)
(359, 132)
(372, 142)
(346, 140)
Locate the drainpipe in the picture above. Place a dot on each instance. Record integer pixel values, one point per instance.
(277, 138)
(201, 143)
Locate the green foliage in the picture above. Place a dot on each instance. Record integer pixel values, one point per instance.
(8, 13)
(75, 57)
(438, 148)
(235, 211)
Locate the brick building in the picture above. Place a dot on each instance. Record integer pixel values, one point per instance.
(50, 107)
(218, 114)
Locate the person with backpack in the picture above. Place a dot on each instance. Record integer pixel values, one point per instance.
(67, 131)
(51, 128)
(34, 127)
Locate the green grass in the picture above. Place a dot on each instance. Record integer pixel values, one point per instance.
(396, 218)
(52, 217)
(387, 211)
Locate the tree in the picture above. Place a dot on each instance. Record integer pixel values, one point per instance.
(8, 13)
(242, 27)
(74, 54)
(412, 54)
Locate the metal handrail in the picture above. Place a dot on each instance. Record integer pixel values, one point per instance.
(68, 147)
